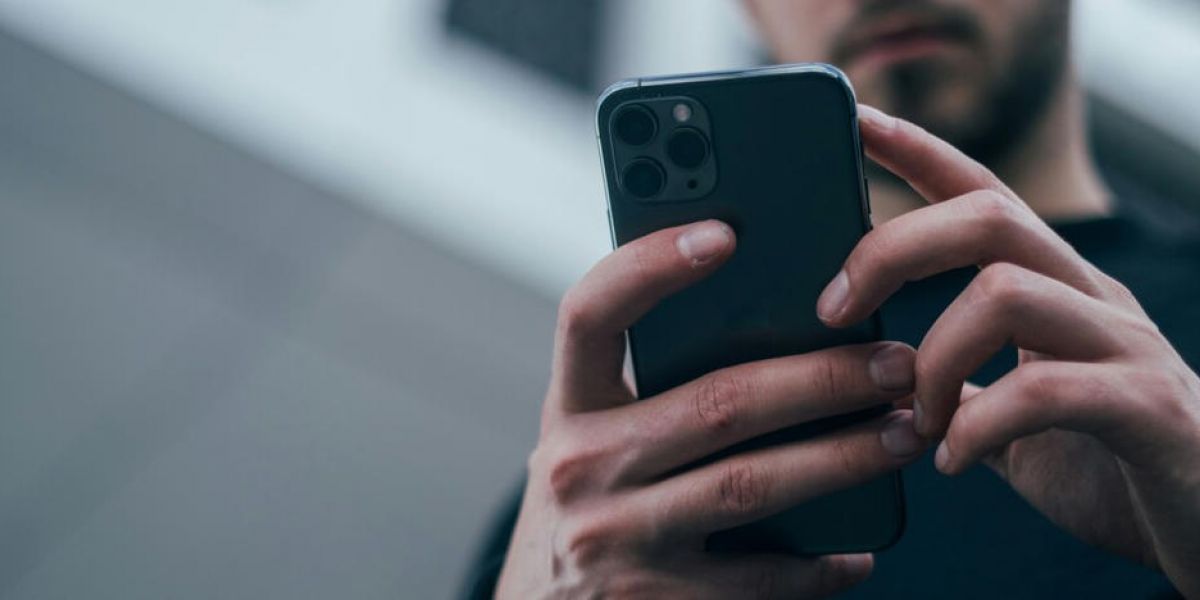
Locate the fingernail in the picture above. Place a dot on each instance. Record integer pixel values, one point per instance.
(898, 436)
(875, 117)
(942, 458)
(891, 367)
(918, 414)
(857, 566)
(702, 242)
(833, 299)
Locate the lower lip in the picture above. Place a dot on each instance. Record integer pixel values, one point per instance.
(888, 53)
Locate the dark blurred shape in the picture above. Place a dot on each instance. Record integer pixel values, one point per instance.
(560, 39)
(1143, 162)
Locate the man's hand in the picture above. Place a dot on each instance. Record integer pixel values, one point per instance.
(1099, 425)
(609, 509)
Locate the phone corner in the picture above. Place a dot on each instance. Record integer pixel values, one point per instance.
(612, 94)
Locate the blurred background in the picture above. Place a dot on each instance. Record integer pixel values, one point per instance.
(278, 277)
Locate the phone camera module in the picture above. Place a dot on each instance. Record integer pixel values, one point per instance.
(687, 148)
(635, 125)
(643, 178)
(660, 150)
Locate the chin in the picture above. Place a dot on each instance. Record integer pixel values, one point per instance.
(944, 98)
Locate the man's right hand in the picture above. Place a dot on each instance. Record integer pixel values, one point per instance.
(608, 509)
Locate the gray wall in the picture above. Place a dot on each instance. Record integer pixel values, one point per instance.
(217, 380)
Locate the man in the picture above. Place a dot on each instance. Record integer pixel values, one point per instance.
(1092, 431)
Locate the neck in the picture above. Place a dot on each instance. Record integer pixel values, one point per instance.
(1051, 170)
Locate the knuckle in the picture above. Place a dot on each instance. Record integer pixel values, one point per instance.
(1036, 383)
(1004, 286)
(1044, 393)
(925, 368)
(826, 377)
(991, 182)
(995, 209)
(1038, 389)
(720, 399)
(641, 261)
(569, 467)
(851, 457)
(1114, 292)
(576, 313)
(1141, 329)
(998, 219)
(587, 541)
(742, 489)
(567, 478)
(871, 252)
(1119, 291)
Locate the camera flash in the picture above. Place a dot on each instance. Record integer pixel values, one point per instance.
(682, 112)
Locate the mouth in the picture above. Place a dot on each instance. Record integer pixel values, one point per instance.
(902, 39)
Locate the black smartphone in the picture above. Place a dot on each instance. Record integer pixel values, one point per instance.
(774, 152)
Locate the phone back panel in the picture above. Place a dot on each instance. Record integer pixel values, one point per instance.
(788, 179)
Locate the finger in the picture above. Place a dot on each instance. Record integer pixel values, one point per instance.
(978, 228)
(752, 485)
(1034, 397)
(595, 313)
(742, 402)
(1005, 303)
(969, 389)
(934, 168)
(771, 576)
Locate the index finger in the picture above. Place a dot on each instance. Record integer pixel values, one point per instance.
(594, 314)
(934, 168)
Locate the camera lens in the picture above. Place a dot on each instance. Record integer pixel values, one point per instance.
(635, 125)
(687, 148)
(643, 178)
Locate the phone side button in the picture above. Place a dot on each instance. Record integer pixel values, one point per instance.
(867, 193)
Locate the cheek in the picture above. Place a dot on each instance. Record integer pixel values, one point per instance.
(1002, 22)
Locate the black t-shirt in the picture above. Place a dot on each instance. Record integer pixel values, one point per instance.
(972, 536)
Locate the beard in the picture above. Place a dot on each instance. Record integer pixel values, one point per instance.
(985, 112)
